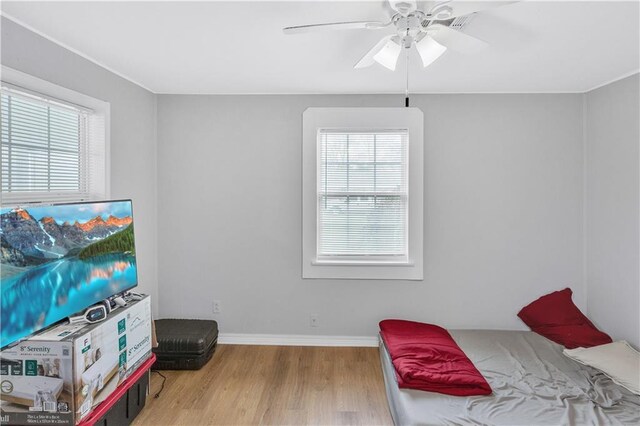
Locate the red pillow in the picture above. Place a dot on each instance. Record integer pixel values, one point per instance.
(555, 317)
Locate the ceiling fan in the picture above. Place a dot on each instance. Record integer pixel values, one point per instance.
(432, 28)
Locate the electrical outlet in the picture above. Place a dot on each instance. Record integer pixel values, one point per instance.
(314, 320)
(216, 306)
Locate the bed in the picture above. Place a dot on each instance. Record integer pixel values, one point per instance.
(533, 384)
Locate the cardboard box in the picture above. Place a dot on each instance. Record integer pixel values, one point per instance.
(58, 376)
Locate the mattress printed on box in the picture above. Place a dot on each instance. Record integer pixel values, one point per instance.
(26, 387)
(532, 382)
(101, 369)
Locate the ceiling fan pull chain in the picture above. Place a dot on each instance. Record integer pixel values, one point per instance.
(406, 89)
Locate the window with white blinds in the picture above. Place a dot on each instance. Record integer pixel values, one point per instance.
(47, 149)
(362, 195)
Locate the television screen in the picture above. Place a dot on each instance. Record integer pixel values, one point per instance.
(59, 259)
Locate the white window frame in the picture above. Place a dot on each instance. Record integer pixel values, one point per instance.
(362, 119)
(98, 123)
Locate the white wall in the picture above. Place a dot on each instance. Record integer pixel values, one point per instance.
(504, 209)
(612, 208)
(133, 126)
(503, 213)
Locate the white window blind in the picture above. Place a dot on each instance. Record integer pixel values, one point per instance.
(45, 149)
(362, 195)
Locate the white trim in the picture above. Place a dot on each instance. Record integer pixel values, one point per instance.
(296, 340)
(100, 122)
(71, 49)
(38, 97)
(365, 93)
(357, 119)
(606, 83)
(36, 85)
(363, 263)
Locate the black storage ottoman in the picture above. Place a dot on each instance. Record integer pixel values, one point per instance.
(184, 344)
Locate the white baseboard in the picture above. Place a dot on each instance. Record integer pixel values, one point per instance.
(296, 340)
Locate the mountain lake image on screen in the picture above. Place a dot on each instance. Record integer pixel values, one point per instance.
(56, 260)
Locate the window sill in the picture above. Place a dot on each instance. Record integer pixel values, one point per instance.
(358, 263)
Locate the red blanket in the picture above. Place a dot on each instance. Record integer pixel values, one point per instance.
(427, 358)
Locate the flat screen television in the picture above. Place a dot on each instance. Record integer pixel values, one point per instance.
(56, 260)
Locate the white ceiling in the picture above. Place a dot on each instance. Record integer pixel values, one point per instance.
(238, 47)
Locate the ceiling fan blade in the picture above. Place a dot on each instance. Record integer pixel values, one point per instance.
(444, 10)
(456, 40)
(429, 50)
(367, 60)
(356, 25)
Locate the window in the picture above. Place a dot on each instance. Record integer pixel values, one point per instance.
(43, 145)
(51, 149)
(362, 193)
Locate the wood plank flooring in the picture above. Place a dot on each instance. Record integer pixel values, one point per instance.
(276, 385)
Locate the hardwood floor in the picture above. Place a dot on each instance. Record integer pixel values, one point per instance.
(278, 385)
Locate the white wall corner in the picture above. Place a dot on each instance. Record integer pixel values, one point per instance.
(585, 282)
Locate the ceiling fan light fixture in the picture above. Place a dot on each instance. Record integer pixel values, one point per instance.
(429, 50)
(388, 55)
